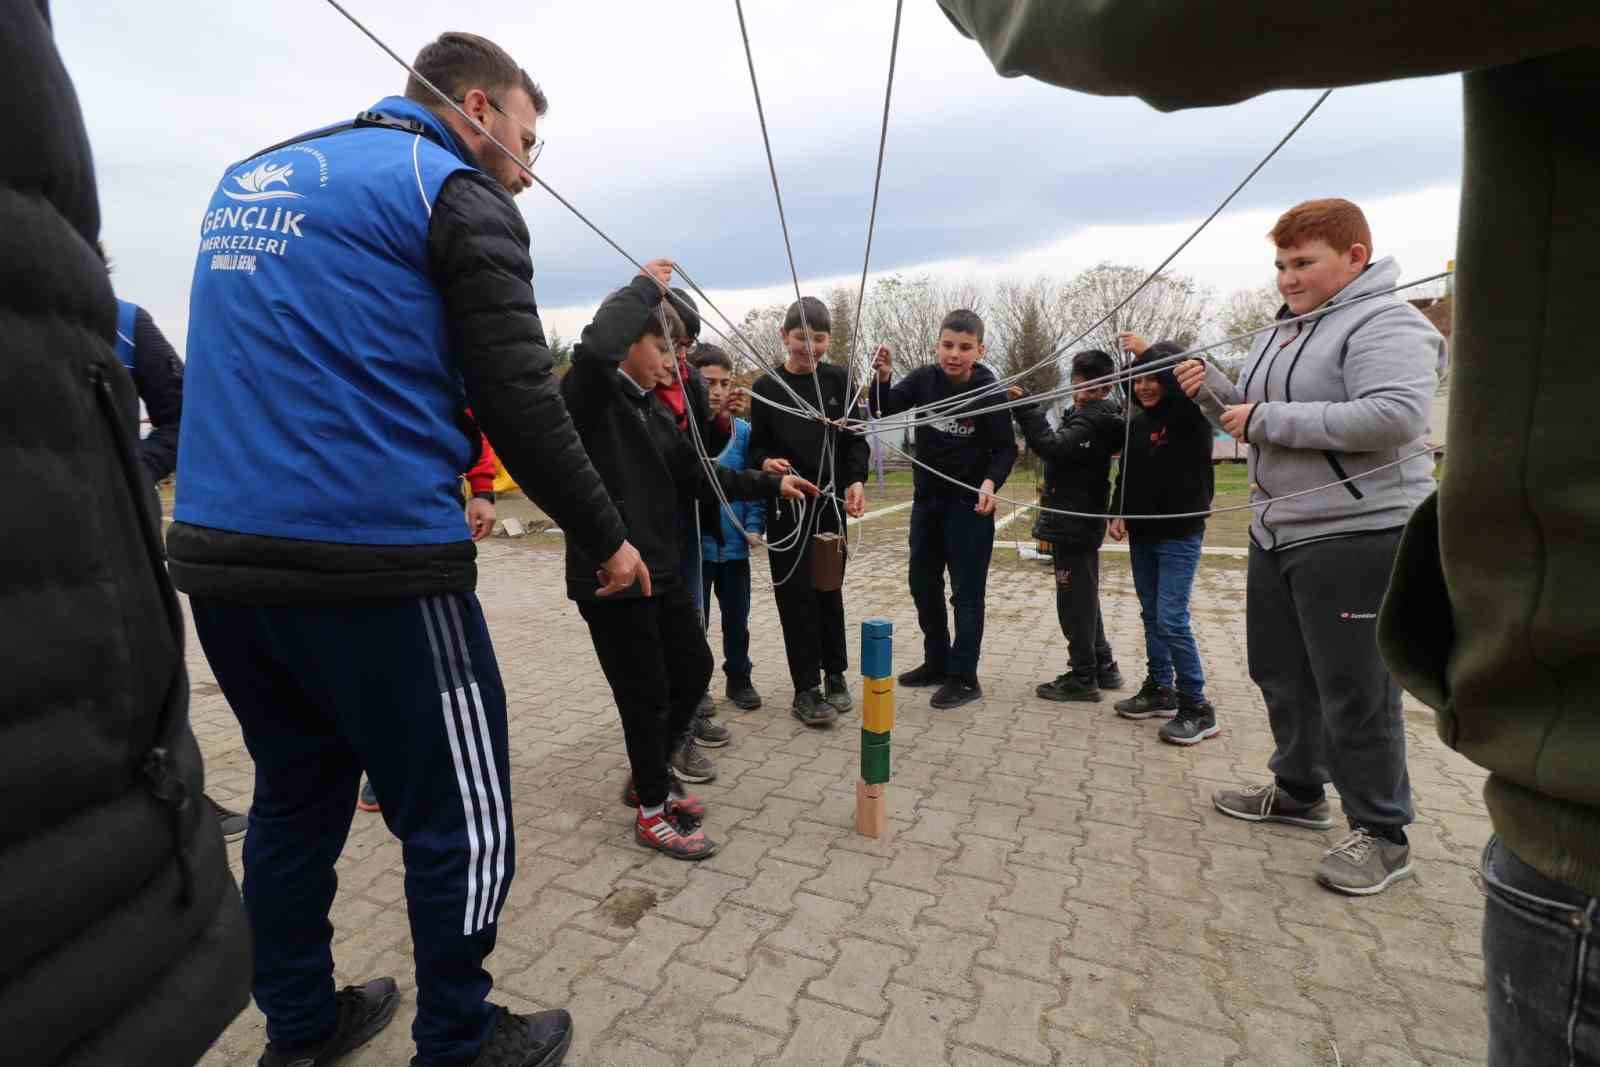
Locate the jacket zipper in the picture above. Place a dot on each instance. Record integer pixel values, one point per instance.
(1338, 469)
(158, 768)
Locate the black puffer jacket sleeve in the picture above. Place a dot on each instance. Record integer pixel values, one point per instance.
(478, 254)
(158, 374)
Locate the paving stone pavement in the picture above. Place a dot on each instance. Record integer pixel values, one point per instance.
(1054, 886)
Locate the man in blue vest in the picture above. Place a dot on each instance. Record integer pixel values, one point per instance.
(356, 289)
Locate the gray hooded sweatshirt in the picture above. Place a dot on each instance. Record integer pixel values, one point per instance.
(1337, 396)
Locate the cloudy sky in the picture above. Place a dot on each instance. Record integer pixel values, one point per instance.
(652, 131)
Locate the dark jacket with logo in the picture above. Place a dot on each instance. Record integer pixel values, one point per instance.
(361, 448)
(122, 936)
(969, 448)
(648, 465)
(1077, 469)
(1166, 469)
(1490, 616)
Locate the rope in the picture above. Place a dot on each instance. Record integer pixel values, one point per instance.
(1056, 355)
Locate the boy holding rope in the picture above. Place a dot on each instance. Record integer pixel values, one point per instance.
(952, 525)
(650, 642)
(783, 442)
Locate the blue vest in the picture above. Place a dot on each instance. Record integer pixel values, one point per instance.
(321, 398)
(125, 313)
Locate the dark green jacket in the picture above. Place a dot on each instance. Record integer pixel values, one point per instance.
(1493, 617)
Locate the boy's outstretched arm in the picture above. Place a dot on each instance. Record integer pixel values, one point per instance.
(1248, 47)
(1075, 437)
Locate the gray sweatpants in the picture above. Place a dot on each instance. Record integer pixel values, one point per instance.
(1311, 627)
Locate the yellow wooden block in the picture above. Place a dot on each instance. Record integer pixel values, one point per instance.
(877, 707)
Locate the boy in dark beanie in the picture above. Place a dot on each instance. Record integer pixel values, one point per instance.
(1077, 477)
(1166, 470)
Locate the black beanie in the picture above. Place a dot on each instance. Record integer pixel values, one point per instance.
(687, 310)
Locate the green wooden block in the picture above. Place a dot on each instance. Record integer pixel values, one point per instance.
(873, 739)
(875, 764)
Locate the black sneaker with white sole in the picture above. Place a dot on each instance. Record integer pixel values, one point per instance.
(1152, 701)
(1109, 677)
(1069, 688)
(836, 691)
(810, 708)
(956, 692)
(1196, 720)
(742, 693)
(364, 1010)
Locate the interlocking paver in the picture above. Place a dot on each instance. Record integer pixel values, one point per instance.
(1008, 1012)
(916, 1033)
(858, 977)
(1053, 885)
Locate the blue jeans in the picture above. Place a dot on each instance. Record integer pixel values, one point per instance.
(731, 580)
(951, 537)
(1541, 966)
(1163, 576)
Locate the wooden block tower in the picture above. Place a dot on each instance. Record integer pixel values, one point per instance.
(877, 720)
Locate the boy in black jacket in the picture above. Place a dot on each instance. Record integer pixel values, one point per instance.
(650, 643)
(1077, 477)
(1166, 470)
(951, 528)
(812, 620)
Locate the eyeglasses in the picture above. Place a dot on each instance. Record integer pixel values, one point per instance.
(532, 144)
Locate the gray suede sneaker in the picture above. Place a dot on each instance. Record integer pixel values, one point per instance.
(1363, 864)
(690, 764)
(811, 709)
(1268, 803)
(836, 691)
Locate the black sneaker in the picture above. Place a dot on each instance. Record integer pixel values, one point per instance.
(1066, 688)
(811, 709)
(233, 824)
(742, 693)
(1152, 700)
(707, 707)
(923, 675)
(708, 734)
(363, 1011)
(539, 1039)
(836, 691)
(1109, 677)
(690, 764)
(1196, 720)
(956, 692)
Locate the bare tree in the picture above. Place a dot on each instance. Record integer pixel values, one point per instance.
(1244, 310)
(905, 315)
(763, 326)
(1024, 329)
(842, 315)
(1173, 307)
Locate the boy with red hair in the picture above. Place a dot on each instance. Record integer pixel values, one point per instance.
(1323, 401)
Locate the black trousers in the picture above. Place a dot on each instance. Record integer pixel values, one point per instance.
(1078, 609)
(656, 660)
(1311, 625)
(812, 622)
(950, 536)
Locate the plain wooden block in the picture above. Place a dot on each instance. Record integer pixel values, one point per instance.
(872, 810)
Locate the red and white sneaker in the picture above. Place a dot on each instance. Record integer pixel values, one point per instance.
(682, 839)
(679, 801)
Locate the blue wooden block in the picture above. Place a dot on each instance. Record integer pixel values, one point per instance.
(877, 657)
(871, 628)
